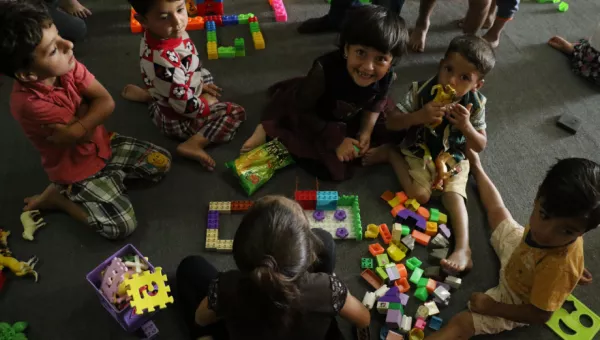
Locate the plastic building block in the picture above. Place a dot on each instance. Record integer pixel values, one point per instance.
(326, 200)
(214, 7)
(112, 278)
(420, 238)
(563, 7)
(423, 282)
(382, 307)
(395, 253)
(241, 206)
(226, 52)
(444, 303)
(409, 242)
(406, 324)
(443, 218)
(279, 10)
(396, 306)
(435, 323)
(402, 284)
(392, 273)
(422, 211)
(393, 318)
(443, 229)
(213, 220)
(441, 293)
(416, 275)
(402, 247)
(422, 312)
(394, 202)
(210, 25)
(382, 260)
(420, 323)
(240, 47)
(372, 231)
(571, 319)
(149, 331)
(369, 300)
(388, 196)
(381, 273)
(393, 336)
(382, 291)
(340, 215)
(405, 230)
(212, 236)
(308, 198)
(134, 25)
(341, 232)
(376, 249)
(259, 44)
(402, 197)
(221, 207)
(439, 241)
(396, 232)
(403, 298)
(413, 263)
(230, 20)
(436, 255)
(242, 19)
(422, 294)
(454, 282)
(410, 218)
(211, 49)
(385, 233)
(147, 301)
(225, 245)
(366, 263)
(416, 334)
(371, 278)
(218, 19)
(319, 215)
(195, 24)
(431, 285)
(432, 307)
(402, 270)
(412, 204)
(431, 228)
(432, 272)
(396, 210)
(434, 215)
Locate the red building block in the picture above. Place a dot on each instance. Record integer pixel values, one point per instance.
(307, 199)
(387, 196)
(420, 238)
(372, 278)
(241, 206)
(402, 284)
(402, 269)
(423, 212)
(431, 286)
(397, 209)
(209, 7)
(216, 18)
(402, 197)
(376, 249)
(195, 24)
(384, 231)
(253, 19)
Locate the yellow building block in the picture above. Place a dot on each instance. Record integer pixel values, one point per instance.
(143, 300)
(412, 204)
(372, 231)
(431, 228)
(395, 254)
(394, 202)
(222, 207)
(224, 245)
(443, 218)
(212, 236)
(396, 232)
(259, 41)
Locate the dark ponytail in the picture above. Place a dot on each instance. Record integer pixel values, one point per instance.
(273, 248)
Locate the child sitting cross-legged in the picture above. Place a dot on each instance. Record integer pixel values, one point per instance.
(458, 124)
(283, 287)
(183, 100)
(540, 264)
(61, 108)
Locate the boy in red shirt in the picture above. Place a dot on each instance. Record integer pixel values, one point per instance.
(61, 107)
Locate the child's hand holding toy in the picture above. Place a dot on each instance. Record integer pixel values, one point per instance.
(346, 152)
(460, 116)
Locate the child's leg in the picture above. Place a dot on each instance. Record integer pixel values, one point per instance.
(396, 6)
(326, 257)
(419, 33)
(193, 148)
(489, 20)
(506, 11)
(138, 158)
(52, 199)
(460, 259)
(476, 15)
(259, 137)
(458, 328)
(562, 45)
(136, 94)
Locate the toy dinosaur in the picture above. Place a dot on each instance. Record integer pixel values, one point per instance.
(19, 268)
(443, 171)
(14, 332)
(31, 221)
(444, 94)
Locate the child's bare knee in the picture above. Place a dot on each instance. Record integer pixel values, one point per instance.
(462, 325)
(422, 196)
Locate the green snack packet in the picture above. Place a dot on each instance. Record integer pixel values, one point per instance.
(256, 167)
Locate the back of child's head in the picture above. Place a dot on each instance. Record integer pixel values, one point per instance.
(142, 7)
(571, 189)
(22, 24)
(376, 27)
(476, 51)
(273, 247)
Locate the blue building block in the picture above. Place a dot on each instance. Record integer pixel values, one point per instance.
(210, 26)
(327, 200)
(213, 220)
(230, 20)
(435, 323)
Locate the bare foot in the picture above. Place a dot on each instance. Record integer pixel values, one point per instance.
(459, 261)
(561, 44)
(74, 8)
(493, 39)
(136, 94)
(380, 154)
(418, 36)
(193, 151)
(489, 21)
(50, 199)
(258, 138)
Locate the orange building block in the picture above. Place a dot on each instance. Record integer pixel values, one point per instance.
(423, 212)
(241, 206)
(431, 285)
(195, 24)
(401, 197)
(372, 278)
(402, 269)
(135, 26)
(420, 238)
(431, 228)
(387, 196)
(376, 249)
(397, 209)
(402, 284)
(384, 231)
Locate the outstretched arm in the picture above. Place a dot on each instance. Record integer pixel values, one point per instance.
(525, 313)
(355, 312)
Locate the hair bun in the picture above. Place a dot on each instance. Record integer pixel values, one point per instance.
(269, 262)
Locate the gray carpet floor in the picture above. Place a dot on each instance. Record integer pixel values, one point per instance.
(529, 88)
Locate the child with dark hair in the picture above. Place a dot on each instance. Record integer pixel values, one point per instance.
(283, 288)
(540, 264)
(323, 117)
(436, 128)
(584, 55)
(61, 107)
(183, 100)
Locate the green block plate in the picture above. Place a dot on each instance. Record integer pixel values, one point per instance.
(572, 321)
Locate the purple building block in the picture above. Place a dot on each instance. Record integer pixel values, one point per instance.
(442, 228)
(412, 219)
(393, 318)
(341, 232)
(149, 331)
(445, 285)
(403, 299)
(340, 215)
(319, 215)
(125, 317)
(440, 302)
(393, 291)
(389, 298)
(393, 273)
(213, 220)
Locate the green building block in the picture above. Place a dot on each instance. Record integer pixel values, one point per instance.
(434, 215)
(346, 201)
(563, 7)
(254, 27)
(422, 294)
(381, 272)
(211, 36)
(405, 230)
(382, 259)
(416, 275)
(396, 306)
(571, 318)
(250, 15)
(413, 263)
(226, 52)
(423, 282)
(366, 263)
(243, 19)
(240, 49)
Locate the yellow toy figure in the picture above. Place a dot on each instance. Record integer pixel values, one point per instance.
(191, 7)
(444, 94)
(32, 220)
(19, 268)
(441, 166)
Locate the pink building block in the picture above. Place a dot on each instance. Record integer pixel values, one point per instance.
(420, 323)
(279, 9)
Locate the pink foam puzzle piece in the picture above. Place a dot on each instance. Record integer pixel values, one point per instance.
(113, 276)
